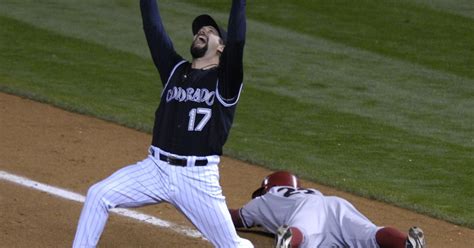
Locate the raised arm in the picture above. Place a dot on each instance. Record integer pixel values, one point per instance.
(161, 48)
(231, 64)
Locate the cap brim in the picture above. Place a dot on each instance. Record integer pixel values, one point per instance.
(207, 20)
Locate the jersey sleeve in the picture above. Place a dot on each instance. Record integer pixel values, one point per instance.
(249, 213)
(161, 48)
(231, 63)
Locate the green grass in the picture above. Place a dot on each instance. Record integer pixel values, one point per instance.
(349, 95)
(397, 29)
(77, 75)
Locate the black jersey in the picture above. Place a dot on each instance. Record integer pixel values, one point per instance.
(197, 106)
(193, 118)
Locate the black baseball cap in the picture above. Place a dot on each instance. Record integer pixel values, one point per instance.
(207, 20)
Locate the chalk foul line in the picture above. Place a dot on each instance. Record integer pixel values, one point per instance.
(23, 181)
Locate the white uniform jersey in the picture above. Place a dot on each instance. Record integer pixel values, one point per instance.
(325, 221)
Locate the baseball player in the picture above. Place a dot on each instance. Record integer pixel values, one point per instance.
(304, 217)
(192, 123)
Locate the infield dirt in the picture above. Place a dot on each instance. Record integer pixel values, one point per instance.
(72, 151)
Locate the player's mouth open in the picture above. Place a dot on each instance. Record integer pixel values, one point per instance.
(201, 39)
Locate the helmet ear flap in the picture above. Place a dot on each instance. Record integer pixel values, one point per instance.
(260, 191)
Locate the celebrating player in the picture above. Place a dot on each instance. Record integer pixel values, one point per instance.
(304, 217)
(192, 123)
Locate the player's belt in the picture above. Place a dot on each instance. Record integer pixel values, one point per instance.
(181, 162)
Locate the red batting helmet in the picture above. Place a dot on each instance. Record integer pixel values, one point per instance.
(279, 178)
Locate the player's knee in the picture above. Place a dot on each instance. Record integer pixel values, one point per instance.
(96, 191)
(97, 196)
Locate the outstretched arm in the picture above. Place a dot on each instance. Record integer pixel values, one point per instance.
(231, 64)
(296, 235)
(161, 48)
(236, 219)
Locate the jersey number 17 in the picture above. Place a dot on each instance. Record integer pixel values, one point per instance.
(207, 113)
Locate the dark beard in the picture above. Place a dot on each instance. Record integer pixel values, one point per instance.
(198, 52)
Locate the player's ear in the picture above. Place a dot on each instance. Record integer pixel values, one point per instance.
(220, 48)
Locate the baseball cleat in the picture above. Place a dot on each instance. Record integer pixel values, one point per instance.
(283, 237)
(416, 238)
